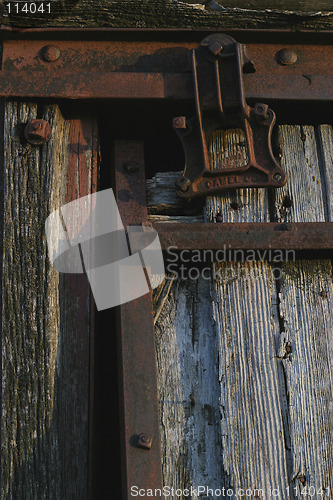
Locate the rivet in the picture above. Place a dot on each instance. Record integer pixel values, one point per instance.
(287, 57)
(50, 53)
(277, 177)
(37, 132)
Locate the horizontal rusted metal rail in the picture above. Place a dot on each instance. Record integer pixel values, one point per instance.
(246, 236)
(117, 69)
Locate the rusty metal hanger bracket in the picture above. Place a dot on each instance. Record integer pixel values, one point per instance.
(218, 64)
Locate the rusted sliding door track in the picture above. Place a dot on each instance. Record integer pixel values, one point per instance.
(34, 64)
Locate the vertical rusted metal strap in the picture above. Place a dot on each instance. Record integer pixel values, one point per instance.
(138, 389)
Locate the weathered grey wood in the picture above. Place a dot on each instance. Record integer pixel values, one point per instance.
(325, 135)
(246, 205)
(165, 14)
(177, 218)
(289, 5)
(161, 194)
(271, 387)
(306, 316)
(301, 199)
(253, 448)
(187, 356)
(45, 316)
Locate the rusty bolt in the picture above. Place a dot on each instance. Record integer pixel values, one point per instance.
(131, 166)
(179, 122)
(50, 53)
(323, 294)
(183, 184)
(145, 441)
(213, 46)
(37, 132)
(286, 57)
(277, 177)
(261, 112)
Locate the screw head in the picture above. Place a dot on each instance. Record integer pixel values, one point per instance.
(277, 177)
(132, 166)
(183, 184)
(145, 441)
(179, 122)
(287, 57)
(50, 53)
(37, 132)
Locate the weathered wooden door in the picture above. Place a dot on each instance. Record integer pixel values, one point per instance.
(244, 349)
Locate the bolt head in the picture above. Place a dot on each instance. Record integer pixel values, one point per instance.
(277, 177)
(183, 184)
(179, 122)
(50, 53)
(287, 57)
(132, 166)
(145, 441)
(37, 132)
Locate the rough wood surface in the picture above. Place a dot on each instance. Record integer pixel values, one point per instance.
(306, 315)
(258, 415)
(281, 5)
(45, 316)
(166, 14)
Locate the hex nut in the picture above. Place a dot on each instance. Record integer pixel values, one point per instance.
(183, 184)
(145, 441)
(179, 122)
(37, 132)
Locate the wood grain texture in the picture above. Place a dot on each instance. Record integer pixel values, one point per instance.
(281, 5)
(325, 140)
(253, 440)
(45, 316)
(164, 14)
(262, 407)
(306, 315)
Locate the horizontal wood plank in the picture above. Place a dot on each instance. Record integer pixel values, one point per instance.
(280, 5)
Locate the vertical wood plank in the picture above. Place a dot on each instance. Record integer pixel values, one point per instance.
(306, 315)
(252, 430)
(325, 136)
(46, 317)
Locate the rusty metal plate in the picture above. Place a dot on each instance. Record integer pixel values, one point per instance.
(138, 392)
(156, 70)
